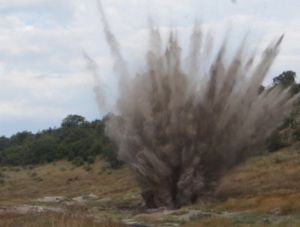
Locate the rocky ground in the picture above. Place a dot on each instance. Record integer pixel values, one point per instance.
(136, 216)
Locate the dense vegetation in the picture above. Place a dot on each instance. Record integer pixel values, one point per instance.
(289, 132)
(80, 141)
(77, 140)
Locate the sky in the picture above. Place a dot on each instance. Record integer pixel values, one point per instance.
(44, 76)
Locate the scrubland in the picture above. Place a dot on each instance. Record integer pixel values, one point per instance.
(264, 191)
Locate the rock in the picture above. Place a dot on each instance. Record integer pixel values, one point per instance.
(92, 196)
(50, 199)
(79, 199)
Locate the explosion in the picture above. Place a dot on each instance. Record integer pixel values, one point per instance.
(181, 129)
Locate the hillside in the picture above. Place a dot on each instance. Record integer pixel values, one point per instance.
(266, 187)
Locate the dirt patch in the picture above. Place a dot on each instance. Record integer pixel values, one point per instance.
(25, 209)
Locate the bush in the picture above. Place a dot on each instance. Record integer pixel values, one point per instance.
(110, 155)
(275, 142)
(78, 162)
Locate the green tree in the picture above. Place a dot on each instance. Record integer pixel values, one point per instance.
(72, 120)
(285, 79)
(20, 137)
(110, 154)
(77, 140)
(4, 143)
(11, 156)
(42, 151)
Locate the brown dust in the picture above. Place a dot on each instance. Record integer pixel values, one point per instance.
(182, 128)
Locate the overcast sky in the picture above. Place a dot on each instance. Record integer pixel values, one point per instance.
(43, 76)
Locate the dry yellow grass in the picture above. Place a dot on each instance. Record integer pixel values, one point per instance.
(261, 184)
(264, 182)
(55, 220)
(62, 179)
(216, 222)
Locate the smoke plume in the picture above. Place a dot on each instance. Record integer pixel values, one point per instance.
(181, 129)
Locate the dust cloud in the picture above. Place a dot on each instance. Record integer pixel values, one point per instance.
(181, 129)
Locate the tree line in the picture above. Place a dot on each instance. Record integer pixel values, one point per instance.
(76, 140)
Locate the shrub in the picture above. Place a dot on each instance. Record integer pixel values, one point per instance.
(78, 162)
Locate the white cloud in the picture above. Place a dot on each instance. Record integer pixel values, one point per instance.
(43, 75)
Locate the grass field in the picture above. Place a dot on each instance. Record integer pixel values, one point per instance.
(62, 179)
(265, 184)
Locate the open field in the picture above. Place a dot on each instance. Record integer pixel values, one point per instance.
(62, 179)
(265, 190)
